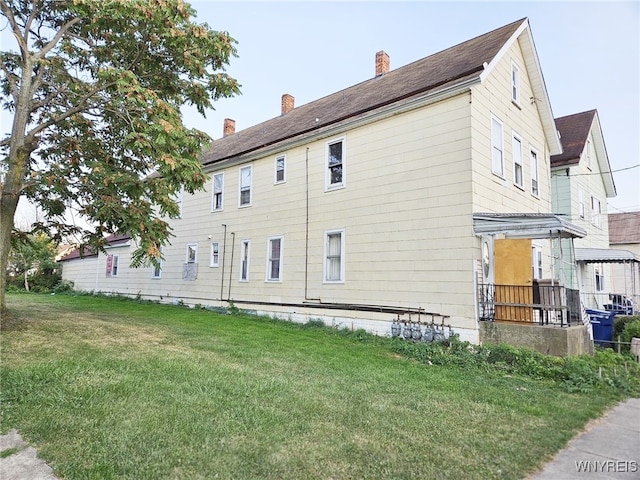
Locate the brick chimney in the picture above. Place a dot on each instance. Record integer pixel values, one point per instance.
(229, 127)
(382, 63)
(287, 103)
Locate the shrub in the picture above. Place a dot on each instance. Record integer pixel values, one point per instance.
(631, 330)
(620, 322)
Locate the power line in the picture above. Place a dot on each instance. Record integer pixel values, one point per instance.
(602, 173)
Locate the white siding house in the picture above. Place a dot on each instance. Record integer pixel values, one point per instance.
(372, 203)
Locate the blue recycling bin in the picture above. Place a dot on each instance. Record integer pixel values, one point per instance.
(602, 325)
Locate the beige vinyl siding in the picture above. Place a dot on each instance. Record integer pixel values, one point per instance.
(493, 97)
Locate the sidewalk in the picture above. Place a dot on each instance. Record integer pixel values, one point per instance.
(609, 448)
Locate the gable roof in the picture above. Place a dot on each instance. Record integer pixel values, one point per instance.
(447, 72)
(624, 228)
(112, 240)
(574, 132)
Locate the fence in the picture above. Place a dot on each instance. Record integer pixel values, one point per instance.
(541, 304)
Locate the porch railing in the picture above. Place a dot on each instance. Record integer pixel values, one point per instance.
(535, 304)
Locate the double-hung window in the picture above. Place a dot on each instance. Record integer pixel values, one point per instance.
(335, 171)
(334, 256)
(178, 197)
(217, 199)
(214, 261)
(497, 162)
(274, 259)
(280, 176)
(535, 188)
(245, 251)
(246, 174)
(588, 154)
(515, 83)
(517, 160)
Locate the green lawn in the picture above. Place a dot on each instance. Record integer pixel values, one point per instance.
(107, 388)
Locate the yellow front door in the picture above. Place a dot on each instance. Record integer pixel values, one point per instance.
(514, 279)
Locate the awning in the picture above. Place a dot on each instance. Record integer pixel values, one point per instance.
(605, 255)
(525, 225)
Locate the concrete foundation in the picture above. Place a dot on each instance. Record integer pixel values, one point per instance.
(558, 341)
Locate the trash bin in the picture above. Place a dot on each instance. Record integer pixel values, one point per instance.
(602, 325)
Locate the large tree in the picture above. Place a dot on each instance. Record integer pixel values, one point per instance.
(96, 89)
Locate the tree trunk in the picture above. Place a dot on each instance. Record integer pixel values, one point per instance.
(8, 205)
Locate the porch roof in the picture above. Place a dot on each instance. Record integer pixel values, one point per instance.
(525, 225)
(605, 255)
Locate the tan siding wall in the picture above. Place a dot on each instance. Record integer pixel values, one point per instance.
(82, 272)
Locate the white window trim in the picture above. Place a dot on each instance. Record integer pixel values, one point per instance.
(242, 244)
(195, 249)
(493, 165)
(328, 186)
(115, 260)
(596, 216)
(535, 170)
(240, 204)
(342, 256)
(213, 192)
(598, 271)
(515, 83)
(268, 268)
(160, 265)
(536, 254)
(284, 170)
(213, 263)
(516, 141)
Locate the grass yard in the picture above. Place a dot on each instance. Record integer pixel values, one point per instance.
(107, 388)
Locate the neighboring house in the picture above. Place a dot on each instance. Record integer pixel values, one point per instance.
(581, 183)
(93, 272)
(624, 237)
(409, 195)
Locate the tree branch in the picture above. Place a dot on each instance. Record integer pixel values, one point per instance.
(59, 34)
(13, 86)
(14, 27)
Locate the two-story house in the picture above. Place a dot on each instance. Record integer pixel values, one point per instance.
(397, 197)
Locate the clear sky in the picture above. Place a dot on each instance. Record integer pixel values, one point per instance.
(589, 54)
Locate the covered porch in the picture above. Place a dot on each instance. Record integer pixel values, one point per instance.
(520, 299)
(617, 289)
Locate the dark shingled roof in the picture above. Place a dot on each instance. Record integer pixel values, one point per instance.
(574, 131)
(624, 228)
(113, 240)
(429, 75)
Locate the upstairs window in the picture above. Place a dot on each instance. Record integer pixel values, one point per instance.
(335, 165)
(596, 212)
(497, 163)
(581, 207)
(515, 83)
(588, 154)
(178, 197)
(274, 259)
(534, 172)
(517, 160)
(245, 186)
(217, 192)
(280, 169)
